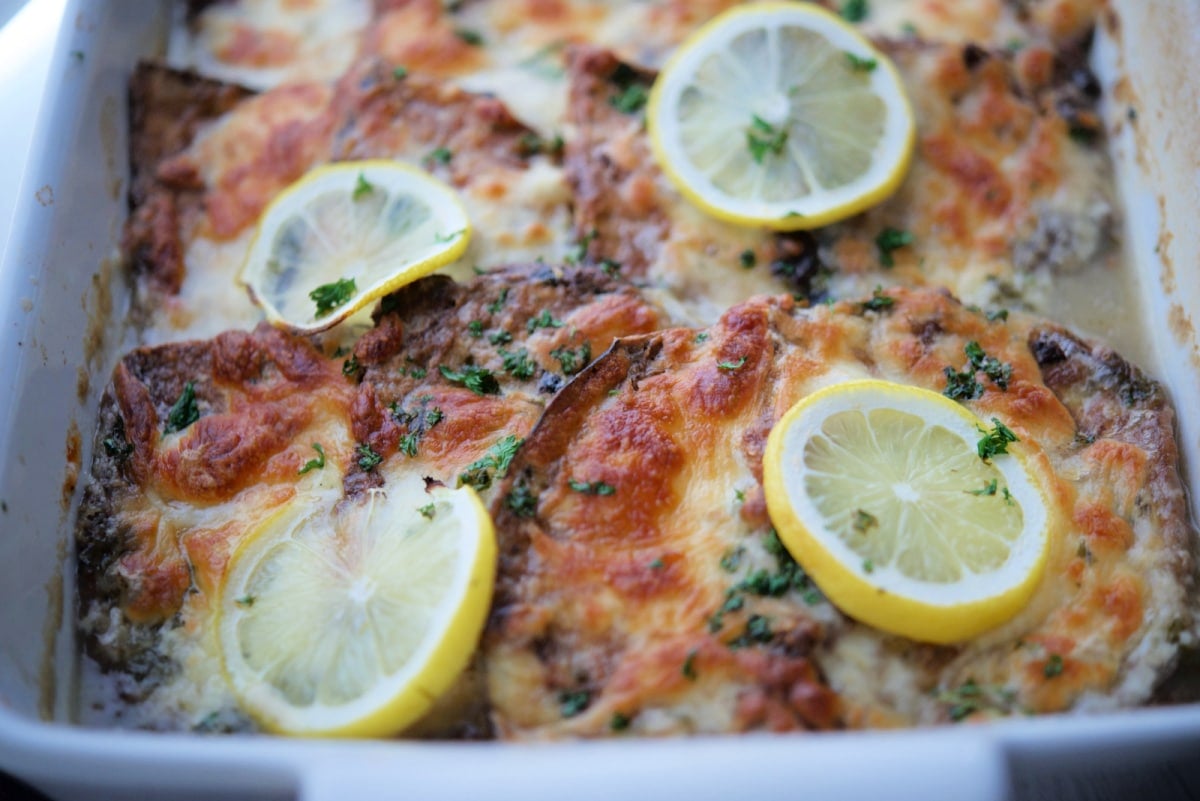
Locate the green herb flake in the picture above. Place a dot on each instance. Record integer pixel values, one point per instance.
(758, 630)
(521, 501)
(631, 99)
(739, 496)
(879, 301)
(400, 72)
(571, 704)
(997, 314)
(315, 464)
(408, 444)
(417, 372)
(1054, 666)
(496, 305)
(368, 459)
(362, 187)
(543, 320)
(351, 367)
(572, 360)
(500, 337)
(433, 417)
(246, 600)
(329, 296)
(868, 566)
(730, 366)
(987, 489)
(610, 267)
(578, 252)
(995, 441)
(475, 328)
(999, 372)
(864, 520)
(1008, 499)
(747, 259)
(854, 10)
(439, 155)
(860, 64)
(620, 721)
(890, 240)
(442, 239)
(762, 138)
(961, 386)
(477, 379)
(478, 474)
(427, 511)
(657, 564)
(592, 487)
(701, 337)
(518, 364)
(689, 666)
(473, 38)
(732, 559)
(184, 411)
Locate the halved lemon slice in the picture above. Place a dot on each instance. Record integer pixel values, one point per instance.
(346, 234)
(781, 115)
(879, 492)
(352, 621)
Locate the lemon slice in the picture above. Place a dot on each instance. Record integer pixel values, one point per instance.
(352, 622)
(781, 115)
(346, 234)
(879, 492)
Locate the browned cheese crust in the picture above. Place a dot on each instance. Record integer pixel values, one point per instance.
(165, 510)
(641, 588)
(1006, 189)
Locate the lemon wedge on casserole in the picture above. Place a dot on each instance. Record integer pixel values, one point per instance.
(351, 622)
(781, 115)
(880, 493)
(346, 234)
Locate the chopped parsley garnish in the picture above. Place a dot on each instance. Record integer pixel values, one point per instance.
(854, 10)
(433, 417)
(518, 364)
(543, 320)
(116, 445)
(879, 301)
(572, 360)
(317, 463)
(730, 366)
(864, 520)
(758, 630)
(657, 564)
(860, 64)
(997, 314)
(184, 411)
(500, 337)
(368, 459)
(578, 251)
(747, 259)
(732, 559)
(400, 72)
(1006, 495)
(362, 187)
(610, 267)
(475, 328)
(868, 566)
(620, 721)
(1054, 666)
(351, 367)
(572, 703)
(739, 496)
(245, 600)
(440, 155)
(987, 489)
(762, 138)
(417, 372)
(521, 501)
(631, 99)
(329, 296)
(961, 386)
(408, 444)
(427, 511)
(1000, 372)
(477, 379)
(890, 240)
(995, 442)
(441, 239)
(689, 666)
(496, 305)
(592, 487)
(702, 337)
(473, 38)
(479, 474)
(971, 697)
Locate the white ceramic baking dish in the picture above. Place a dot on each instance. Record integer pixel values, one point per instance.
(62, 298)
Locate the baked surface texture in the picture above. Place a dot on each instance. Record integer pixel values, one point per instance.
(668, 605)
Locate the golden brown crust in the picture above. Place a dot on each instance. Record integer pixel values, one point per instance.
(598, 587)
